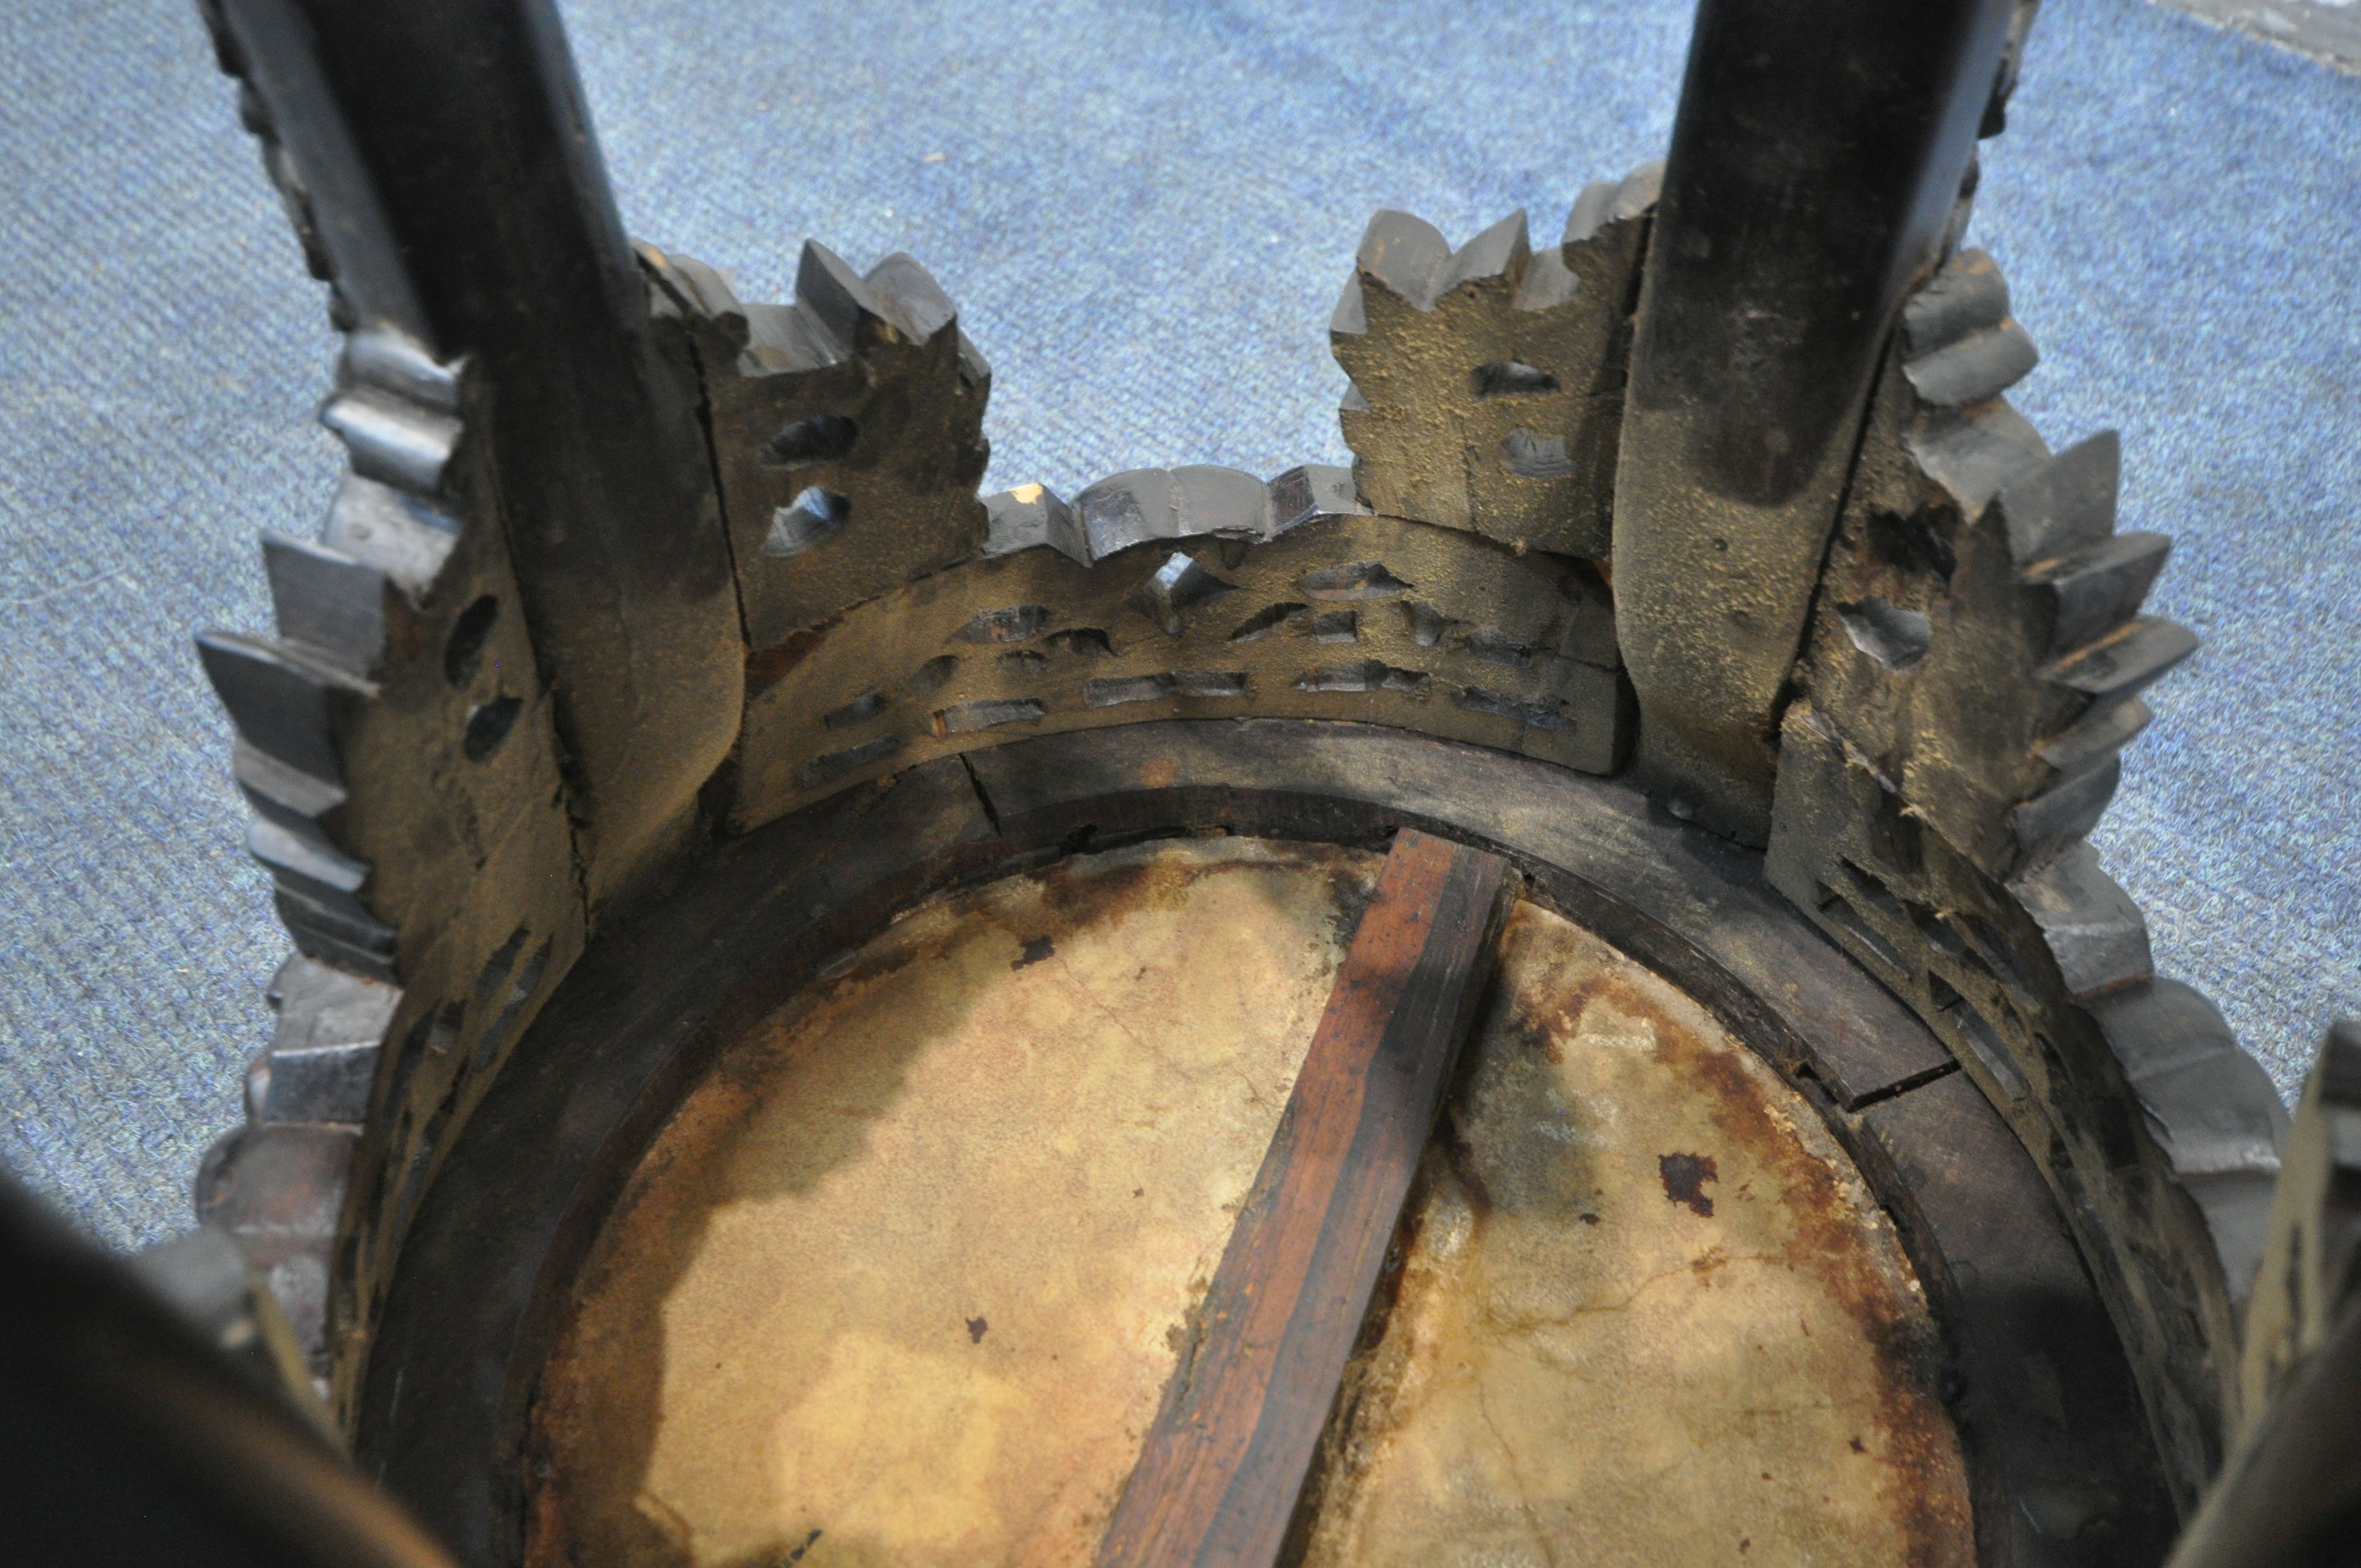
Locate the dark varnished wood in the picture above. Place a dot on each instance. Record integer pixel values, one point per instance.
(1221, 1470)
(2043, 1394)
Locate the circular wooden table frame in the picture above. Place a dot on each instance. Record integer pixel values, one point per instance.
(2061, 1465)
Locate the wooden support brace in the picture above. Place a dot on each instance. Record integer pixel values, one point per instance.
(1222, 1468)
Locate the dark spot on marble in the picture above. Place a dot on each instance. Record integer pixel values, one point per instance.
(1685, 1176)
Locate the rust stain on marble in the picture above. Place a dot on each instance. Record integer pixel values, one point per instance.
(904, 1281)
(1648, 1313)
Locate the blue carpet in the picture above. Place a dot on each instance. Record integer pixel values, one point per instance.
(1144, 212)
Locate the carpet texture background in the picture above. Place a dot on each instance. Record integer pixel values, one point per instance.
(1144, 212)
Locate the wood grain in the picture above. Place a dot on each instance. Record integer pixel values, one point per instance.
(1221, 1470)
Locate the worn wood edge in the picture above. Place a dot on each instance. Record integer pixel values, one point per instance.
(2023, 1316)
(1625, 851)
(600, 1070)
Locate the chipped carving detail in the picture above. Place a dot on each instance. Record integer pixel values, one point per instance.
(1487, 382)
(397, 747)
(1978, 637)
(847, 429)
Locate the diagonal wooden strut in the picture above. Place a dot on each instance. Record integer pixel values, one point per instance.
(1222, 1469)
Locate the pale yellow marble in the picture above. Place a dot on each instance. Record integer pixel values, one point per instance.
(908, 1270)
(1581, 1367)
